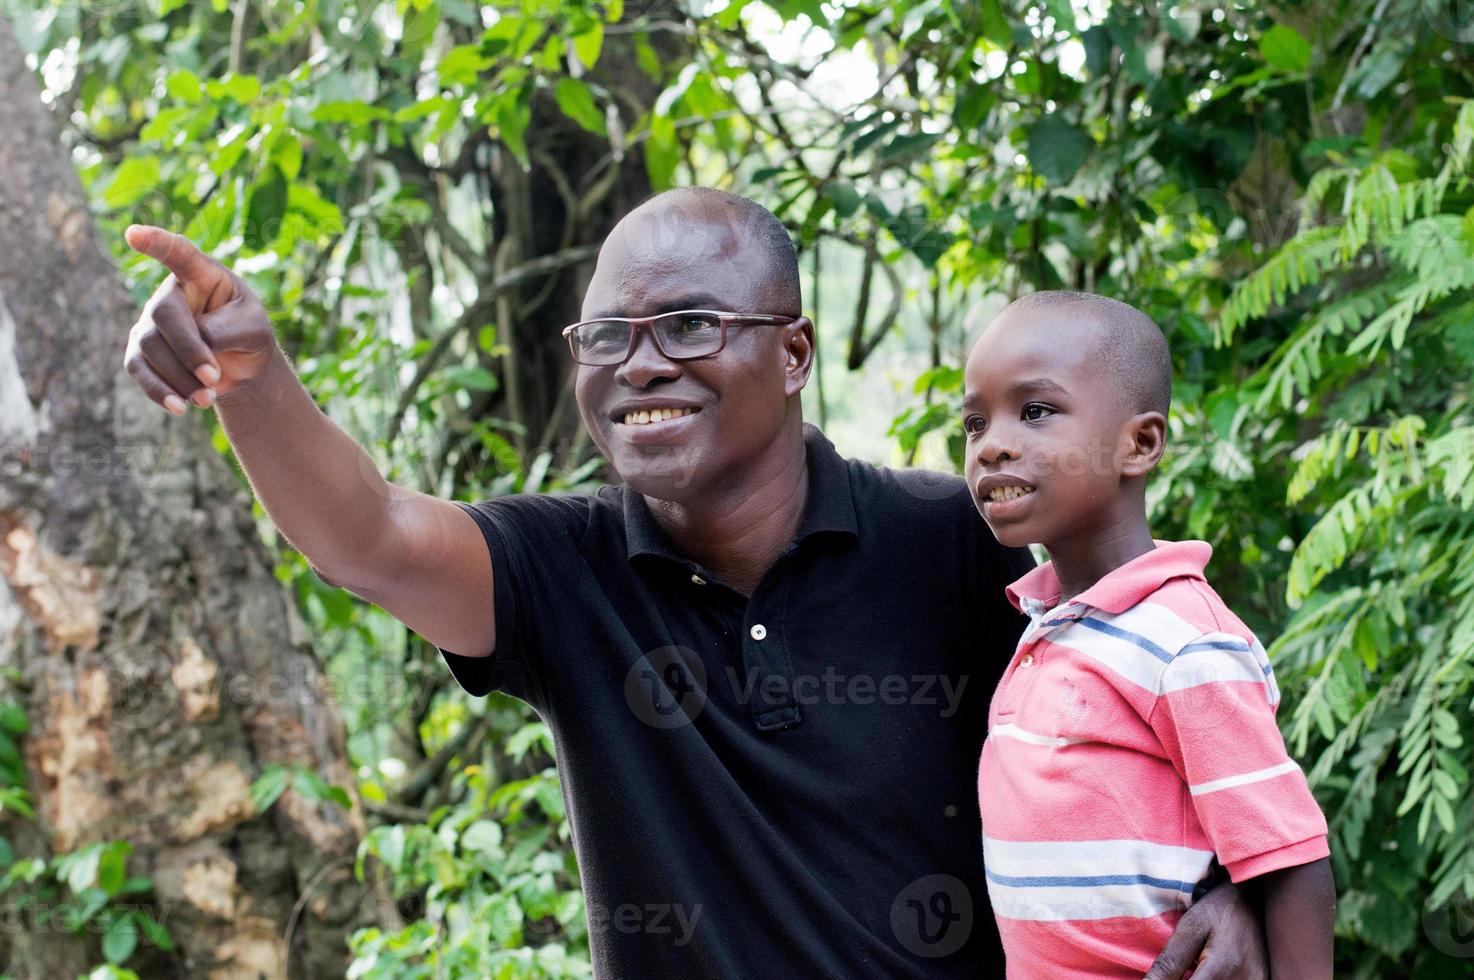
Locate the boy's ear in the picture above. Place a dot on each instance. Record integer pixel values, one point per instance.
(1146, 439)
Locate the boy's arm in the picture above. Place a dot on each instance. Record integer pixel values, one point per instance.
(1299, 916)
(421, 559)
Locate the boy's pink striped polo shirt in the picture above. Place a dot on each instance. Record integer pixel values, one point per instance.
(1131, 740)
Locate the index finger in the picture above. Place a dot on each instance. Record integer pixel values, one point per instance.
(177, 253)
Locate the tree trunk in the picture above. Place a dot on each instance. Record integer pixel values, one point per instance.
(574, 193)
(160, 663)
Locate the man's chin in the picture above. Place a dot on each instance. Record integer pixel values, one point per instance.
(666, 475)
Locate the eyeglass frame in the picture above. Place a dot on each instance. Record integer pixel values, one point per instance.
(647, 323)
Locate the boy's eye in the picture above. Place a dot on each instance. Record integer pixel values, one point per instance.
(973, 424)
(1034, 411)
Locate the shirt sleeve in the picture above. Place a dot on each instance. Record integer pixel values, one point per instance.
(533, 543)
(1215, 719)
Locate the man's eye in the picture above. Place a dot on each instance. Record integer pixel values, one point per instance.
(1033, 412)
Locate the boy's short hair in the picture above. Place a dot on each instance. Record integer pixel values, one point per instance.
(1131, 344)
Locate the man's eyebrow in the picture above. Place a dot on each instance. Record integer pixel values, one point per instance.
(1017, 388)
(690, 301)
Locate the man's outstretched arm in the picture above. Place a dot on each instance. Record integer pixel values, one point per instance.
(203, 337)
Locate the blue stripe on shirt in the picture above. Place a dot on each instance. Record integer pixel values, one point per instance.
(1093, 881)
(1134, 638)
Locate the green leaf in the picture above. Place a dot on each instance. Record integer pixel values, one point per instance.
(79, 869)
(112, 866)
(244, 89)
(461, 64)
(120, 939)
(269, 786)
(843, 196)
(135, 179)
(908, 144)
(1285, 49)
(13, 718)
(483, 837)
(419, 28)
(264, 210)
(577, 103)
(588, 44)
(1064, 15)
(473, 378)
(512, 117)
(155, 932)
(184, 86)
(1057, 149)
(662, 153)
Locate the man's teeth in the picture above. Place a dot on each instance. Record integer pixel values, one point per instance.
(1009, 493)
(657, 415)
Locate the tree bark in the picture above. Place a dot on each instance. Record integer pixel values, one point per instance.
(160, 663)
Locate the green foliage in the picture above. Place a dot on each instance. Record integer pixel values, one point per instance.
(495, 866)
(87, 891)
(1285, 190)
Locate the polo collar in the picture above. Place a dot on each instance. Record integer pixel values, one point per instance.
(1039, 590)
(829, 508)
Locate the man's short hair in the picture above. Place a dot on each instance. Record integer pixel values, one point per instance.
(1131, 344)
(755, 223)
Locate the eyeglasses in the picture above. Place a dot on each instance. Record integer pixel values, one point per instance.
(683, 335)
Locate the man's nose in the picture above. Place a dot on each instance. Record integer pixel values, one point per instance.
(646, 364)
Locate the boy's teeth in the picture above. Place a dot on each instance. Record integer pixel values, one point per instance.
(656, 415)
(1009, 493)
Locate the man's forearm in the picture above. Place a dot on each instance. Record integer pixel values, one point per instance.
(1299, 919)
(320, 487)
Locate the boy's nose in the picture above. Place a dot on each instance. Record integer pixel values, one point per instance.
(995, 448)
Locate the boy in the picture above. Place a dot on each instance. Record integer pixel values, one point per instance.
(1132, 740)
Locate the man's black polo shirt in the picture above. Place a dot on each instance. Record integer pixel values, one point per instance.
(782, 785)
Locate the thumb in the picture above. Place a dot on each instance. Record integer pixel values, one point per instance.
(206, 283)
(239, 325)
(1180, 954)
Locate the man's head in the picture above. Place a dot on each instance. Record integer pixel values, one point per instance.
(1065, 406)
(696, 249)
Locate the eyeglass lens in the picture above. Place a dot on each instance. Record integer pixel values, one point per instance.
(680, 335)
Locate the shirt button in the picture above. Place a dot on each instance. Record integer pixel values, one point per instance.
(758, 631)
(1027, 660)
(698, 579)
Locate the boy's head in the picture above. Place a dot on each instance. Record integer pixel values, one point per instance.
(1064, 410)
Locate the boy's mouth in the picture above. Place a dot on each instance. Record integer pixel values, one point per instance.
(1009, 492)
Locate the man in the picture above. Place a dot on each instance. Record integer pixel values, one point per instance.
(751, 655)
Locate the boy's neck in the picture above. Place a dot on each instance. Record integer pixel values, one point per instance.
(1081, 562)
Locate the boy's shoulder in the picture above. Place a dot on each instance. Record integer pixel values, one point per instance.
(1194, 600)
(1192, 638)
(1167, 601)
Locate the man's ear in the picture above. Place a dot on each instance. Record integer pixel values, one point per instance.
(1145, 436)
(798, 353)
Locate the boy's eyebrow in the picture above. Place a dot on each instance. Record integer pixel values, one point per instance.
(1019, 388)
(1036, 384)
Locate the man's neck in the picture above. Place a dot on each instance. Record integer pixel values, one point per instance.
(741, 530)
(1085, 560)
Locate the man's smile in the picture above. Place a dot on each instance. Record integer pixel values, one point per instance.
(649, 420)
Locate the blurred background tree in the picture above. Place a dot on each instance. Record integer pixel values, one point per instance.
(416, 189)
